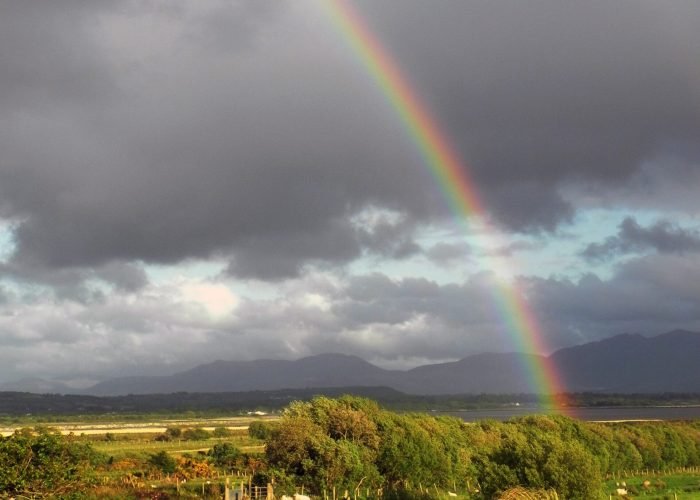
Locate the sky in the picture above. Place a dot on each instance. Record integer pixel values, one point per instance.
(182, 182)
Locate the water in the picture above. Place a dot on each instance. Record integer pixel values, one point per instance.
(588, 414)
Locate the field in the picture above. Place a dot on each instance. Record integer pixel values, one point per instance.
(128, 445)
(672, 485)
(126, 424)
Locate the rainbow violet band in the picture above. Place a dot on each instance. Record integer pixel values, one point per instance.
(460, 192)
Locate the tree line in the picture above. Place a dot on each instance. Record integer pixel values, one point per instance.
(350, 442)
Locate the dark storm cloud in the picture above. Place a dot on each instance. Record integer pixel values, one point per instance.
(47, 55)
(165, 131)
(663, 237)
(541, 94)
(281, 255)
(71, 284)
(249, 158)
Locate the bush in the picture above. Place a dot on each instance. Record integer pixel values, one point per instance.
(163, 462)
(224, 455)
(260, 430)
(196, 434)
(221, 432)
(173, 432)
(42, 461)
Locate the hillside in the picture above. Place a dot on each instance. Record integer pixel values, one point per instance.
(621, 364)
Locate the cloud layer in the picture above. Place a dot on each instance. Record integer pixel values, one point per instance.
(248, 134)
(663, 236)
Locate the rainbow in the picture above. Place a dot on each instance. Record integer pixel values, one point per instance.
(460, 191)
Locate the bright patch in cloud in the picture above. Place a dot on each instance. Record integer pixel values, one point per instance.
(217, 299)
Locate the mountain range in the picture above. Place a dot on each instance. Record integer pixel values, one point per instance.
(628, 363)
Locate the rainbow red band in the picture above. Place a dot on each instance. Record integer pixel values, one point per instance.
(460, 191)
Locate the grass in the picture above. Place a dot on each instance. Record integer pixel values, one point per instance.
(134, 449)
(136, 438)
(142, 426)
(190, 417)
(685, 486)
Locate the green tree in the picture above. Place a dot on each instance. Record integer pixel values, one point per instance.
(221, 432)
(173, 432)
(325, 443)
(33, 462)
(259, 429)
(196, 434)
(163, 462)
(224, 455)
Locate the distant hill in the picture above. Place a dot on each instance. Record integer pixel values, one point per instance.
(326, 370)
(483, 373)
(622, 364)
(633, 364)
(489, 373)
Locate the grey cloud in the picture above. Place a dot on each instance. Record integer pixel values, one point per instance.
(527, 207)
(451, 303)
(390, 239)
(663, 237)
(446, 254)
(225, 133)
(71, 284)
(374, 316)
(281, 255)
(47, 56)
(231, 160)
(124, 276)
(542, 94)
(232, 25)
(519, 246)
(383, 319)
(667, 181)
(386, 319)
(649, 295)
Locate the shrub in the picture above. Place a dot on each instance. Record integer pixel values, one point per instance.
(42, 461)
(163, 462)
(196, 434)
(224, 455)
(221, 432)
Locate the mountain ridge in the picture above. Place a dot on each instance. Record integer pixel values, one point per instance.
(626, 363)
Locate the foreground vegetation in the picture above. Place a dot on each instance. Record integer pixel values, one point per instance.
(352, 445)
(326, 443)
